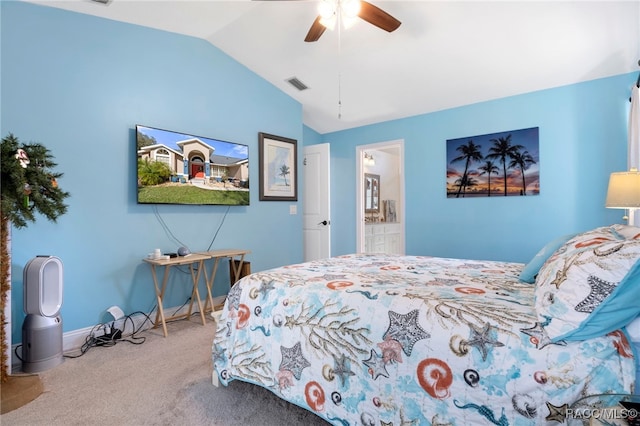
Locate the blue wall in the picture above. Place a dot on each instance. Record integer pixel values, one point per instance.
(583, 135)
(79, 84)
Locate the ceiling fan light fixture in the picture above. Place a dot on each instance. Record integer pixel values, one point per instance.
(348, 22)
(332, 13)
(327, 10)
(346, 10)
(329, 23)
(350, 8)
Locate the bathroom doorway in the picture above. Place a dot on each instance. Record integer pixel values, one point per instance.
(380, 196)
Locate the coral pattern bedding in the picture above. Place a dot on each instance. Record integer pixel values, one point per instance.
(398, 340)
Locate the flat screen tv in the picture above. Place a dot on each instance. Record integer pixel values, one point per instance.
(179, 168)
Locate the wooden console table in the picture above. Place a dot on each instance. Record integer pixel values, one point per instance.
(196, 263)
(236, 255)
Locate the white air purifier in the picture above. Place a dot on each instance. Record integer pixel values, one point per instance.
(42, 328)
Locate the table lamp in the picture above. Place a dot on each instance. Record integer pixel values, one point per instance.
(624, 191)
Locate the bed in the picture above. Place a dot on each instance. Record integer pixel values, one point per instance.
(379, 339)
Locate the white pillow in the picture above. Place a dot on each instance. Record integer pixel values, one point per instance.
(591, 285)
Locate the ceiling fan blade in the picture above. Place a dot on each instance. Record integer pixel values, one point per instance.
(378, 17)
(315, 31)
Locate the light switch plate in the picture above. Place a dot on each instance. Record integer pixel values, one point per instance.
(293, 209)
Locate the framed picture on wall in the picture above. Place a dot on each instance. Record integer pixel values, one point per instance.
(504, 164)
(278, 159)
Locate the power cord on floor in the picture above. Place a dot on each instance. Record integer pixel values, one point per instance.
(112, 335)
(15, 351)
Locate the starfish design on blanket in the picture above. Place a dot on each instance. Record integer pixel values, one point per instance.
(376, 365)
(293, 360)
(558, 414)
(342, 368)
(481, 339)
(265, 287)
(405, 329)
(600, 290)
(233, 297)
(218, 353)
(539, 337)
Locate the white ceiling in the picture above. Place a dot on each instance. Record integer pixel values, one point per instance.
(445, 54)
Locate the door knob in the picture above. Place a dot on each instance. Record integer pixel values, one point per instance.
(324, 222)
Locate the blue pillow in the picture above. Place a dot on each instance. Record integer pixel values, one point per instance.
(528, 274)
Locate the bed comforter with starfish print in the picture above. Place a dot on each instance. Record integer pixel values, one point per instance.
(398, 340)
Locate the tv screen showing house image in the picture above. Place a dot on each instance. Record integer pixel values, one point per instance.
(179, 168)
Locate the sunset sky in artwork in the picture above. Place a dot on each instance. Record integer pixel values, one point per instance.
(527, 138)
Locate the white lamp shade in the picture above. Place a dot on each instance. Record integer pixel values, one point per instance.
(624, 190)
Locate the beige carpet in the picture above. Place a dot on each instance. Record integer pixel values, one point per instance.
(164, 381)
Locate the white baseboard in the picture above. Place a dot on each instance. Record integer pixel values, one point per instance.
(75, 339)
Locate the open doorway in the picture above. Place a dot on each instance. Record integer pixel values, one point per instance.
(380, 198)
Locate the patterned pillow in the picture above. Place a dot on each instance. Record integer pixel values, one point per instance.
(591, 285)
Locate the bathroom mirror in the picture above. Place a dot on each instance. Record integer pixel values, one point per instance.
(371, 193)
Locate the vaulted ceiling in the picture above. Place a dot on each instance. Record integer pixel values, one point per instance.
(445, 54)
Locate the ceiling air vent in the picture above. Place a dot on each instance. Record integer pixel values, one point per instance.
(297, 83)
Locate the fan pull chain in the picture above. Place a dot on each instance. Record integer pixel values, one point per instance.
(339, 24)
(339, 98)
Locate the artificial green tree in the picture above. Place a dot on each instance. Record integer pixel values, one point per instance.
(28, 186)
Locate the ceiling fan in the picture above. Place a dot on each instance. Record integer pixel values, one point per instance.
(332, 11)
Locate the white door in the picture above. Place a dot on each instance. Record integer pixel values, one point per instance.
(316, 206)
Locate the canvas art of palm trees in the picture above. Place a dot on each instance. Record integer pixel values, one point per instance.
(494, 165)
